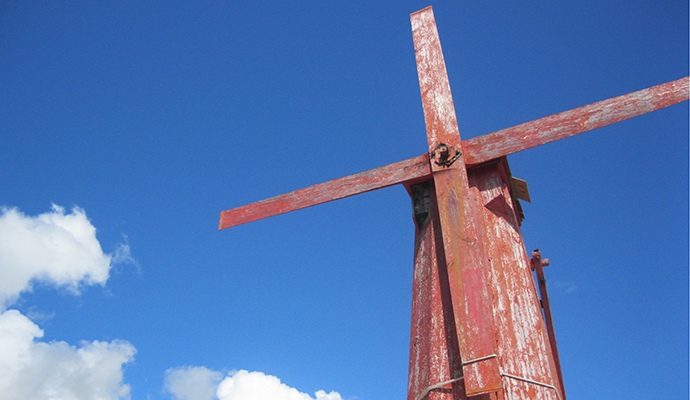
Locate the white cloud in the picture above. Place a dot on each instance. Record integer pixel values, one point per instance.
(55, 247)
(243, 385)
(49, 371)
(123, 255)
(201, 383)
(192, 383)
(58, 249)
(566, 287)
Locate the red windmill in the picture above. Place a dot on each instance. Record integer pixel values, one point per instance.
(480, 329)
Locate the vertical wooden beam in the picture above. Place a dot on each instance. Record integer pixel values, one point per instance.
(435, 365)
(463, 250)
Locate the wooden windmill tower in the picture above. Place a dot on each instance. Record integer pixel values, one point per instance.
(481, 326)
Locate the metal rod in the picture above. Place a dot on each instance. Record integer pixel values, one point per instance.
(546, 306)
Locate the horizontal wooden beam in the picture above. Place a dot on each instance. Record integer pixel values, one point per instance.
(568, 123)
(404, 171)
(475, 151)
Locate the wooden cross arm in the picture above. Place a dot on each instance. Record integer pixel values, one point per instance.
(568, 123)
(475, 151)
(378, 178)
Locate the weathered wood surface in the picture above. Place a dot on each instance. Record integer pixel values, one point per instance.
(475, 151)
(568, 123)
(439, 111)
(492, 341)
(434, 354)
(523, 343)
(462, 250)
(389, 175)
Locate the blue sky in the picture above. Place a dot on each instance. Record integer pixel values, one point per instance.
(153, 117)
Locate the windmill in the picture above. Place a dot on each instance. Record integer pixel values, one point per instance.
(481, 326)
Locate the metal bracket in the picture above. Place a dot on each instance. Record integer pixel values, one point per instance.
(421, 202)
(445, 155)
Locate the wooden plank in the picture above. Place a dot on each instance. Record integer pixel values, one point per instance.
(476, 150)
(404, 171)
(435, 363)
(439, 110)
(568, 123)
(462, 250)
(519, 187)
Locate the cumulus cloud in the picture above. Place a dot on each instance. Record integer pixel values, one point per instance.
(201, 383)
(37, 370)
(59, 249)
(192, 383)
(243, 385)
(55, 247)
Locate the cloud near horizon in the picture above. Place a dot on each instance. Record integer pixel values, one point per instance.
(37, 370)
(201, 383)
(61, 250)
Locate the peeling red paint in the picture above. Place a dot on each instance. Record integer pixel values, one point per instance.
(475, 151)
(392, 174)
(462, 251)
(477, 330)
(434, 353)
(568, 123)
(523, 343)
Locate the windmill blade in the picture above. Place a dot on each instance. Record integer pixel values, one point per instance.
(476, 151)
(416, 168)
(568, 123)
(463, 255)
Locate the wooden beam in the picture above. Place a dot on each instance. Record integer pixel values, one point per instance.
(475, 151)
(568, 123)
(462, 249)
(434, 354)
(404, 171)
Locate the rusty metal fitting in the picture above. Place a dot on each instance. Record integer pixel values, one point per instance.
(445, 155)
(536, 258)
